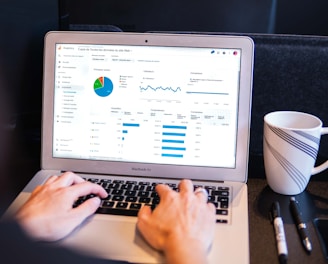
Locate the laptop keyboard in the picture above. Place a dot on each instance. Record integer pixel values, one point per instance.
(126, 197)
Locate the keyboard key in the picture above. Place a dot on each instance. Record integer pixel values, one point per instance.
(144, 183)
(221, 212)
(117, 192)
(131, 182)
(138, 187)
(155, 201)
(220, 193)
(143, 194)
(108, 204)
(117, 211)
(130, 193)
(114, 185)
(144, 200)
(122, 205)
(126, 186)
(135, 206)
(132, 199)
(118, 198)
(118, 181)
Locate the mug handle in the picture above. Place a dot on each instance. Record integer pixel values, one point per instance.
(324, 165)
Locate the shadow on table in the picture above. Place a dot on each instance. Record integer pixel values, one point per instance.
(306, 200)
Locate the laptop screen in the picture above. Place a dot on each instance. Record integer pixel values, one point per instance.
(148, 104)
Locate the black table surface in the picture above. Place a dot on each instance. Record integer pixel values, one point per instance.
(313, 203)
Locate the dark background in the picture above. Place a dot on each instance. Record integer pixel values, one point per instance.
(23, 25)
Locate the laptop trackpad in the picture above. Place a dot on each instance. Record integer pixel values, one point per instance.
(112, 237)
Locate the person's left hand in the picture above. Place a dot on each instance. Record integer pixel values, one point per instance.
(49, 214)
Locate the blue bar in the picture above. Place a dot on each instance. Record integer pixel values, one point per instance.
(175, 127)
(131, 124)
(172, 155)
(174, 134)
(172, 141)
(173, 148)
(124, 131)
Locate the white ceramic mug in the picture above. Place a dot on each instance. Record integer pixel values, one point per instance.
(290, 145)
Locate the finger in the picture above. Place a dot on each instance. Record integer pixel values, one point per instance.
(162, 189)
(68, 179)
(144, 214)
(144, 225)
(85, 188)
(86, 209)
(212, 208)
(36, 190)
(143, 218)
(201, 193)
(186, 186)
(51, 179)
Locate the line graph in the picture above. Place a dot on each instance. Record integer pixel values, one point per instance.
(160, 88)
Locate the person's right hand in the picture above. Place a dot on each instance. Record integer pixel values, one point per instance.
(49, 214)
(182, 225)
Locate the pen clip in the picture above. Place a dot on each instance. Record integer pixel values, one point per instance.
(296, 211)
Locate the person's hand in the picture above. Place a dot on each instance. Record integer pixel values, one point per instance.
(49, 214)
(182, 225)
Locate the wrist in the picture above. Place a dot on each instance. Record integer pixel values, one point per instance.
(185, 251)
(29, 225)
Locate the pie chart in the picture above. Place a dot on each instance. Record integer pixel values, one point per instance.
(103, 86)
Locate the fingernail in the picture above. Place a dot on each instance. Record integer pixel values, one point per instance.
(97, 200)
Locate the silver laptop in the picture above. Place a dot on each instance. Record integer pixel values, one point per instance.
(130, 110)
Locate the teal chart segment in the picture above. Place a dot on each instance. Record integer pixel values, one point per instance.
(103, 86)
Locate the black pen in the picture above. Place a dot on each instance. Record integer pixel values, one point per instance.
(301, 226)
(279, 232)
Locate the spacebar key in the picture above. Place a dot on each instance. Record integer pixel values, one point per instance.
(117, 211)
